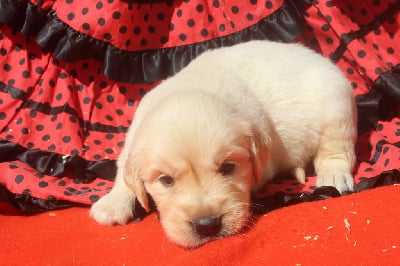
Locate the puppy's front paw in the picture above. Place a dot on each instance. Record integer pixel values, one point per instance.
(112, 210)
(340, 180)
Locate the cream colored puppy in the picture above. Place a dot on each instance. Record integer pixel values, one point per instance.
(223, 126)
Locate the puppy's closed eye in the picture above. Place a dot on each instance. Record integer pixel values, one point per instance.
(227, 168)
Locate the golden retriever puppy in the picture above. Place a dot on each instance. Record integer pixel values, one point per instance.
(203, 140)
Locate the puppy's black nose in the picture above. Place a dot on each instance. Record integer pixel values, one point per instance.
(207, 226)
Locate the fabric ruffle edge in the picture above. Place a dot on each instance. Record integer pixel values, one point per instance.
(58, 165)
(29, 205)
(67, 44)
(381, 101)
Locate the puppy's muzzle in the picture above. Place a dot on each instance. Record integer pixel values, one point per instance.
(207, 226)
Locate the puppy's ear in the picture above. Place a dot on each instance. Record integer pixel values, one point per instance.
(134, 181)
(260, 147)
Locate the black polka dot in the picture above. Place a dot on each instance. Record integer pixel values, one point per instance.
(19, 179)
(59, 96)
(221, 27)
(182, 37)
(363, 12)
(85, 10)
(143, 42)
(3, 51)
(235, 9)
(7, 67)
(46, 138)
(101, 21)
(163, 40)
(119, 112)
(361, 53)
(329, 4)
(66, 139)
(390, 50)
(86, 26)
(151, 29)
(71, 16)
(107, 36)
(109, 136)
(32, 113)
(160, 16)
(94, 198)
(325, 27)
(123, 29)
(25, 130)
(109, 151)
(199, 8)
(204, 32)
(249, 17)
(216, 4)
(30, 145)
(179, 13)
(190, 23)
(109, 118)
(110, 98)
(376, 46)
(43, 184)
(116, 15)
(269, 5)
(253, 2)
(378, 70)
(97, 157)
(121, 144)
(99, 5)
(39, 127)
(98, 105)
(52, 147)
(210, 18)
(3, 116)
(52, 83)
(350, 71)
(86, 100)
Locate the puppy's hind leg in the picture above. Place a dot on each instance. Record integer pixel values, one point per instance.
(335, 157)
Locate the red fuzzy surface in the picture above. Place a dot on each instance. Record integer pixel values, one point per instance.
(358, 229)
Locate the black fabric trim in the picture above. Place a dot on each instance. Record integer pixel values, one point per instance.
(261, 206)
(69, 45)
(381, 101)
(46, 108)
(58, 165)
(347, 38)
(27, 204)
(31, 205)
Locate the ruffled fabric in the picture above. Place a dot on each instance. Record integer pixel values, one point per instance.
(71, 82)
(156, 54)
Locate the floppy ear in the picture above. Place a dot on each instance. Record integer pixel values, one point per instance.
(260, 147)
(134, 181)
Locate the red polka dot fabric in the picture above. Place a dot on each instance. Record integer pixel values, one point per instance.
(73, 73)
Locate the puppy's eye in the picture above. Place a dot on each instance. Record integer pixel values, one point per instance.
(227, 168)
(166, 180)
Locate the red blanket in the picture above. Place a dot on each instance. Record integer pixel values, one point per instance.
(360, 229)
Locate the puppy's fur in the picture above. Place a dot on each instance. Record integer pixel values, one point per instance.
(227, 123)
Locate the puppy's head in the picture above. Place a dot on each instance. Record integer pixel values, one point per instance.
(198, 158)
